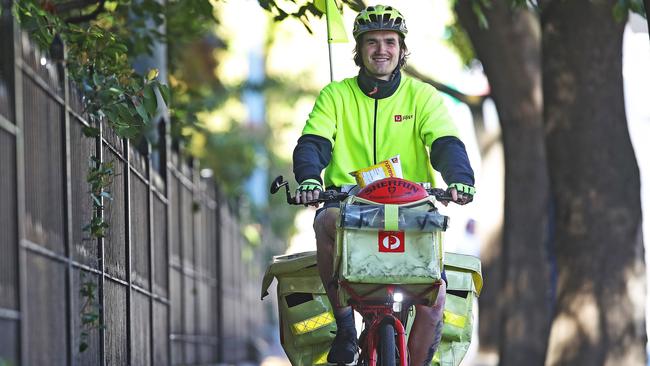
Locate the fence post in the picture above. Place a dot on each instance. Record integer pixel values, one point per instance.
(16, 51)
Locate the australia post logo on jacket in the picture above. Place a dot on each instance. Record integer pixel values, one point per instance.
(402, 117)
(391, 241)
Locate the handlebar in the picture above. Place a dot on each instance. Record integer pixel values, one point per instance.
(440, 194)
(336, 196)
(323, 197)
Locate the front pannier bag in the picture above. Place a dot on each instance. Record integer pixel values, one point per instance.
(389, 244)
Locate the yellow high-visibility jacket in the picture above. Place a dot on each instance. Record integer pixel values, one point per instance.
(363, 130)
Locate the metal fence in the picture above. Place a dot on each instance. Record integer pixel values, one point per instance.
(171, 284)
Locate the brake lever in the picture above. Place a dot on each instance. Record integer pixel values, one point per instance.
(440, 194)
(324, 196)
(331, 195)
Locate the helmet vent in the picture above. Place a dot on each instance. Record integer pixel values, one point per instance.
(379, 17)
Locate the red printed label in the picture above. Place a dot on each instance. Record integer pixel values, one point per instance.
(391, 241)
(398, 118)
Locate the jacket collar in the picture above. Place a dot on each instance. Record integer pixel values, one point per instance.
(377, 88)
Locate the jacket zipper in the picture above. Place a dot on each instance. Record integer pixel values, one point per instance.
(374, 135)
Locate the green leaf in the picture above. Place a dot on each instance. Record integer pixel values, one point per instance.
(96, 200)
(165, 92)
(97, 80)
(152, 74)
(124, 114)
(128, 132)
(150, 101)
(478, 11)
(115, 91)
(110, 114)
(110, 5)
(142, 112)
(619, 11)
(82, 347)
(89, 318)
(90, 131)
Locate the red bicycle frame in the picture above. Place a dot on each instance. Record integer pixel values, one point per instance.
(380, 315)
(375, 314)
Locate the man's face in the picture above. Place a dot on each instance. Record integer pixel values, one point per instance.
(380, 52)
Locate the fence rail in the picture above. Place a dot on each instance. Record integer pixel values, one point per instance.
(171, 284)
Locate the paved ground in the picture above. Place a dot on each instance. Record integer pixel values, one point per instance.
(480, 360)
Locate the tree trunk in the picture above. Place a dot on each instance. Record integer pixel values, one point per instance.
(599, 316)
(646, 5)
(510, 53)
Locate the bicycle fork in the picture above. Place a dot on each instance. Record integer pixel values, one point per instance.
(400, 341)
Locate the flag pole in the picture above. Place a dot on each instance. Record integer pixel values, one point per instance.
(329, 41)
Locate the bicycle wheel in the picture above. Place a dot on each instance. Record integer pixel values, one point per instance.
(387, 345)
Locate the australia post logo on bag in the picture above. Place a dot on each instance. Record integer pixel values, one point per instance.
(391, 241)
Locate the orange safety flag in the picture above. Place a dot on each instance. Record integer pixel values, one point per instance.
(335, 28)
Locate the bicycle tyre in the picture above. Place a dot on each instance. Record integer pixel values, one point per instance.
(387, 345)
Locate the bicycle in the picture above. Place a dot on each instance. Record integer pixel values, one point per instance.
(384, 306)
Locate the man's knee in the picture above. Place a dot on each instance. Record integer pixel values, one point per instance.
(325, 224)
(428, 315)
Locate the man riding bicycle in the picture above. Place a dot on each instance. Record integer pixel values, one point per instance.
(361, 121)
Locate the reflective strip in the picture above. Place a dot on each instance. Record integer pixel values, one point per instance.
(312, 323)
(454, 319)
(391, 218)
(322, 360)
(436, 357)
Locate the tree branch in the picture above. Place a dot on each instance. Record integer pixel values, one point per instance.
(89, 16)
(470, 100)
(69, 6)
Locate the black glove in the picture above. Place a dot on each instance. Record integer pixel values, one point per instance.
(464, 193)
(305, 191)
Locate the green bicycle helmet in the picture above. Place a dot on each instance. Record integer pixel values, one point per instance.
(379, 17)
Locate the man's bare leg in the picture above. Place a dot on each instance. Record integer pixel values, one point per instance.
(325, 229)
(344, 348)
(427, 330)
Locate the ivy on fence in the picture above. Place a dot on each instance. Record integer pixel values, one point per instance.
(97, 62)
(99, 178)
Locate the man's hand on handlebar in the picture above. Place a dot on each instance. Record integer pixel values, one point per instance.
(461, 194)
(308, 192)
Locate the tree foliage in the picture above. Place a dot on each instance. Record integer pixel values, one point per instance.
(103, 38)
(97, 61)
(620, 8)
(305, 9)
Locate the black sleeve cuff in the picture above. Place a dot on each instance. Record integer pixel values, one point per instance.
(310, 157)
(449, 157)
